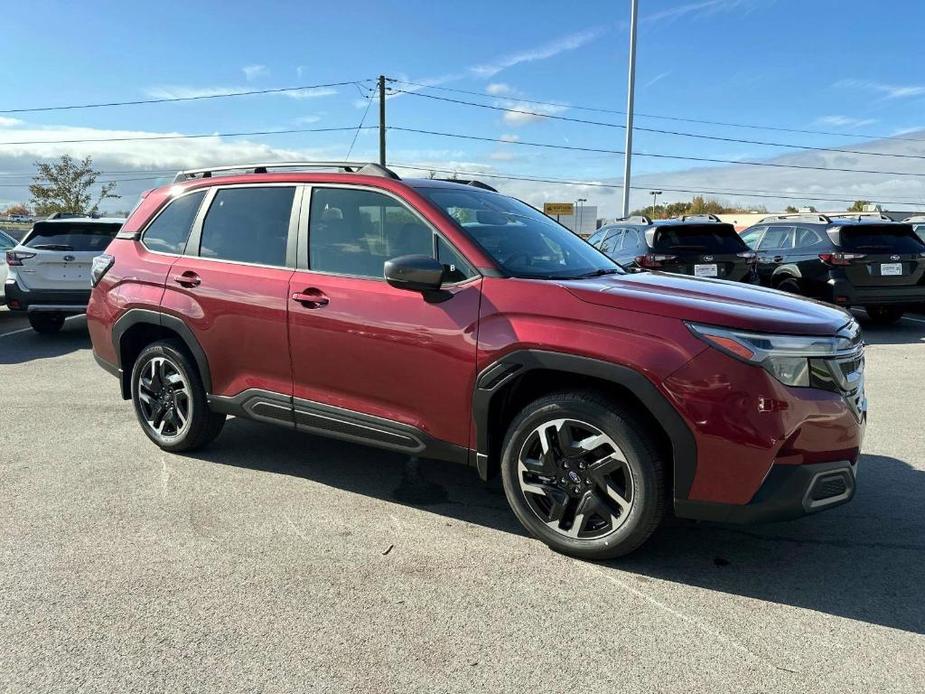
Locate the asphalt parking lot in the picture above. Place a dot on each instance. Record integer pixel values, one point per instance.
(276, 561)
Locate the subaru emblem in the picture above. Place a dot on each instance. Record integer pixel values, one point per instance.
(69, 258)
(708, 258)
(895, 257)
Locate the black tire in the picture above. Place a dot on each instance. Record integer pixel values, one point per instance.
(642, 471)
(200, 426)
(884, 315)
(789, 285)
(46, 323)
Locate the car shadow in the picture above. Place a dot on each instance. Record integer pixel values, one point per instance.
(862, 561)
(20, 344)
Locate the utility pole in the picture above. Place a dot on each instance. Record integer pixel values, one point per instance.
(654, 194)
(578, 204)
(630, 89)
(382, 120)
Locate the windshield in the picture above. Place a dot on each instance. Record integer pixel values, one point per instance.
(71, 236)
(697, 238)
(883, 238)
(522, 240)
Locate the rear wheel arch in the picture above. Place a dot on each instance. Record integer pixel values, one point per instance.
(506, 386)
(138, 328)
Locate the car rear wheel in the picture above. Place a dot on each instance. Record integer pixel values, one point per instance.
(884, 315)
(583, 475)
(46, 323)
(791, 286)
(170, 401)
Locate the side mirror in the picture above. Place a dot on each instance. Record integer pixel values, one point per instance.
(417, 273)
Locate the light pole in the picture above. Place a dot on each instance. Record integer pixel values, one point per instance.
(579, 205)
(630, 89)
(654, 194)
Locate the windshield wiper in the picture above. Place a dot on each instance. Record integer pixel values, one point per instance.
(596, 273)
(53, 247)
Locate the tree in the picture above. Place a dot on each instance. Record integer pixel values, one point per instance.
(858, 205)
(697, 205)
(64, 186)
(790, 209)
(19, 208)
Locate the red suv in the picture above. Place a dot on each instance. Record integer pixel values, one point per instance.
(447, 321)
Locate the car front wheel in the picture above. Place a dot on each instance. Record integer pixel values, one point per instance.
(583, 475)
(170, 401)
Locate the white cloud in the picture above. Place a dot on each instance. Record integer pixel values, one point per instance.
(9, 122)
(252, 72)
(696, 8)
(498, 89)
(307, 120)
(187, 92)
(527, 112)
(844, 121)
(658, 78)
(547, 50)
(299, 70)
(890, 91)
(510, 137)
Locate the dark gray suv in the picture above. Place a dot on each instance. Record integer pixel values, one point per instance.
(861, 260)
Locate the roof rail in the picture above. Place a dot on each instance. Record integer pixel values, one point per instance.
(473, 183)
(367, 168)
(814, 216)
(634, 219)
(705, 215)
(861, 215)
(915, 218)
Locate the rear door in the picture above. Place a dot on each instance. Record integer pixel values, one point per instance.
(892, 255)
(231, 289)
(64, 251)
(703, 250)
(773, 250)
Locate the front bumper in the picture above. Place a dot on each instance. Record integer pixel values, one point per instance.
(788, 492)
(52, 300)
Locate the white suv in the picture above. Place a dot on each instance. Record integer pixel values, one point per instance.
(49, 271)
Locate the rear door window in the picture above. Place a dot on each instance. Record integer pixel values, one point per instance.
(71, 236)
(170, 229)
(881, 238)
(613, 243)
(777, 238)
(698, 238)
(807, 237)
(248, 225)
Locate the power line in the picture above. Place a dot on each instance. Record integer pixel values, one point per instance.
(694, 191)
(660, 131)
(726, 124)
(152, 138)
(710, 160)
(173, 99)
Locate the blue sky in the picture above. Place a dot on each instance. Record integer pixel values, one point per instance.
(815, 64)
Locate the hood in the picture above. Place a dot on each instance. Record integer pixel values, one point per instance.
(713, 302)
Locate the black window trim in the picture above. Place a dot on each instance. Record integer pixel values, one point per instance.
(194, 242)
(304, 229)
(170, 201)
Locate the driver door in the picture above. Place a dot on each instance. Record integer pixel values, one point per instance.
(370, 361)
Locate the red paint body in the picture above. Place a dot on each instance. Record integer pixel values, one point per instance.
(387, 352)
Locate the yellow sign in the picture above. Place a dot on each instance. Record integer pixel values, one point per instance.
(555, 209)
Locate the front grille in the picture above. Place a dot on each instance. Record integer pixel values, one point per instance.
(828, 486)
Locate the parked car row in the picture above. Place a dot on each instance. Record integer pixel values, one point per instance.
(444, 320)
(851, 260)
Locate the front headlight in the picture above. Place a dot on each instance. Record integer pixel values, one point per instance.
(786, 357)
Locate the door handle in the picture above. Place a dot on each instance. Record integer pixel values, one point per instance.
(187, 279)
(311, 298)
(778, 258)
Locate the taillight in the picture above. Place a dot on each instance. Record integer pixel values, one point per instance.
(99, 267)
(653, 260)
(14, 258)
(839, 258)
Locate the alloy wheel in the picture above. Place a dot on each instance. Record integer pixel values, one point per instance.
(164, 398)
(576, 479)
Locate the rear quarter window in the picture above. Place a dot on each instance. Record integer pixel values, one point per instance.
(699, 238)
(72, 236)
(881, 238)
